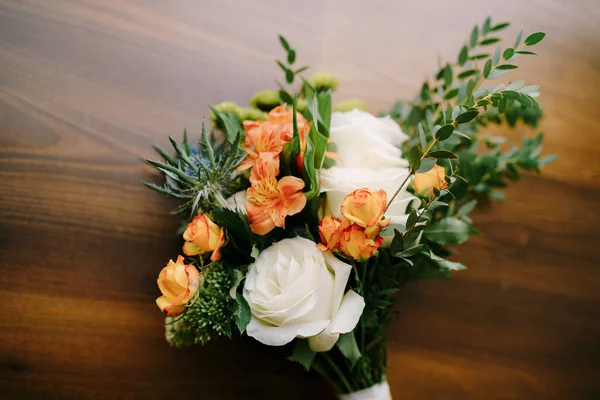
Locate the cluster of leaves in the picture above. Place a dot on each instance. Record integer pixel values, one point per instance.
(211, 314)
(202, 174)
(443, 121)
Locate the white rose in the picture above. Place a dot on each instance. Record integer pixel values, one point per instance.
(338, 182)
(295, 290)
(363, 140)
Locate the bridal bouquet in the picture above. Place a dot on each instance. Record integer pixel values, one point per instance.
(304, 218)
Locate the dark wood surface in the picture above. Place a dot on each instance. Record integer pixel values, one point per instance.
(86, 86)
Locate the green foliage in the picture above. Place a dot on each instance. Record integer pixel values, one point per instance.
(210, 315)
(201, 175)
(303, 354)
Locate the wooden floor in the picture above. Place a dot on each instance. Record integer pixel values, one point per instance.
(86, 86)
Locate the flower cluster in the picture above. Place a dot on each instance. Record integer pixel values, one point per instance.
(357, 236)
(303, 222)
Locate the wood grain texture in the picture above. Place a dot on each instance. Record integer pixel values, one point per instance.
(86, 86)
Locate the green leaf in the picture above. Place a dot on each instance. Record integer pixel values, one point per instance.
(414, 157)
(531, 53)
(397, 242)
(506, 66)
(242, 313)
(446, 264)
(497, 74)
(286, 97)
(511, 94)
(289, 76)
(534, 38)
(444, 132)
(348, 347)
(548, 159)
(496, 57)
(467, 116)
(474, 36)
(449, 230)
(448, 75)
(436, 204)
(466, 208)
(444, 154)
(508, 53)
(502, 104)
(302, 69)
(426, 165)
(467, 73)
(284, 43)
(486, 26)
(303, 354)
(488, 41)
(230, 124)
(518, 39)
(324, 99)
(462, 135)
(500, 26)
(487, 68)
(413, 251)
(422, 137)
(462, 56)
(291, 57)
(478, 56)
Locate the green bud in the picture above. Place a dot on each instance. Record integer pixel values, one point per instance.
(225, 107)
(301, 104)
(265, 100)
(349, 105)
(324, 81)
(251, 114)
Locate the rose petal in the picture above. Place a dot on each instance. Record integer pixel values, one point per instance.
(324, 341)
(281, 335)
(349, 313)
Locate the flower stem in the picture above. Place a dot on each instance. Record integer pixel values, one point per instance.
(337, 370)
(398, 191)
(321, 372)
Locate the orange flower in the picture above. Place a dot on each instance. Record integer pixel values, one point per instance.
(327, 228)
(283, 119)
(178, 284)
(261, 137)
(203, 236)
(365, 207)
(355, 242)
(269, 201)
(424, 183)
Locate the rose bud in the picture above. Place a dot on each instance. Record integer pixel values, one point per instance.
(365, 207)
(203, 236)
(355, 242)
(327, 228)
(178, 283)
(425, 183)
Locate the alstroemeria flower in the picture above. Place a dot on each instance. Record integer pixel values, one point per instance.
(269, 201)
(283, 119)
(261, 137)
(178, 283)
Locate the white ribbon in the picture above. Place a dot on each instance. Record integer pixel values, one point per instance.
(380, 391)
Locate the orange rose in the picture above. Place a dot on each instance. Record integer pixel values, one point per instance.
(327, 228)
(424, 183)
(203, 236)
(365, 207)
(355, 243)
(178, 283)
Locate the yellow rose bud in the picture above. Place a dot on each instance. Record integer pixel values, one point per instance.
(203, 236)
(327, 228)
(251, 114)
(324, 81)
(355, 243)
(265, 100)
(425, 183)
(365, 207)
(349, 105)
(225, 107)
(178, 284)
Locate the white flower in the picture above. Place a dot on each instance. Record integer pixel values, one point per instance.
(363, 140)
(338, 182)
(237, 202)
(295, 290)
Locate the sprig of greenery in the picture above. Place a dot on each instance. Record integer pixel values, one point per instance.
(290, 72)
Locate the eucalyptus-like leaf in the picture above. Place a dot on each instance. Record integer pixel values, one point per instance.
(534, 38)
